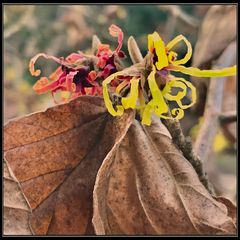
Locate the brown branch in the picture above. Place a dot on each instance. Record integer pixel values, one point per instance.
(228, 117)
(170, 27)
(185, 145)
(177, 12)
(213, 105)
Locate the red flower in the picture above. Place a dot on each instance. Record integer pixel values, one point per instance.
(74, 76)
(71, 76)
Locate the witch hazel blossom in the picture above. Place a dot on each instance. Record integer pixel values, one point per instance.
(76, 77)
(160, 82)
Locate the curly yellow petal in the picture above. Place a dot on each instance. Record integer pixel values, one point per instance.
(174, 83)
(131, 100)
(155, 42)
(177, 113)
(183, 84)
(150, 43)
(175, 41)
(193, 98)
(146, 116)
(157, 98)
(196, 72)
(157, 105)
(107, 99)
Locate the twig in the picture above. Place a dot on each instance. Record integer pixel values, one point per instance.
(213, 106)
(228, 117)
(185, 145)
(177, 12)
(170, 27)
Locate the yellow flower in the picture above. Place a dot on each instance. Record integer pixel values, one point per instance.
(164, 61)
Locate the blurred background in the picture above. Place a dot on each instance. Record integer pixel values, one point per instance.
(62, 29)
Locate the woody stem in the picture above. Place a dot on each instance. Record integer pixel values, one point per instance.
(185, 145)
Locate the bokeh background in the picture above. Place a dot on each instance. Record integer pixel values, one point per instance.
(62, 29)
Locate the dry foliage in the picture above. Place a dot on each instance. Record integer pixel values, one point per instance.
(84, 172)
(230, 104)
(16, 208)
(217, 31)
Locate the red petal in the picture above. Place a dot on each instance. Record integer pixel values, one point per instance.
(115, 31)
(107, 70)
(70, 86)
(92, 75)
(74, 57)
(43, 85)
(103, 48)
(101, 62)
(34, 59)
(55, 75)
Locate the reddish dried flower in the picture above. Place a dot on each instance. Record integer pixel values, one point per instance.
(74, 75)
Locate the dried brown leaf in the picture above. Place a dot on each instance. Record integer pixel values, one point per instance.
(16, 209)
(232, 210)
(218, 30)
(145, 186)
(230, 104)
(55, 155)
